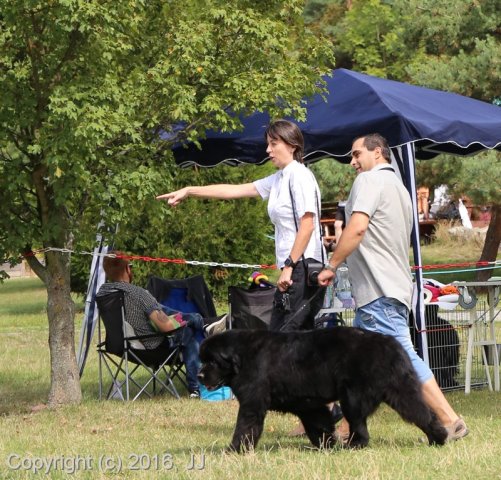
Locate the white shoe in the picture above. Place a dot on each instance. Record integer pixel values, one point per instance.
(216, 327)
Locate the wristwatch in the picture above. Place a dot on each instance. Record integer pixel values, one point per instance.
(330, 268)
(290, 263)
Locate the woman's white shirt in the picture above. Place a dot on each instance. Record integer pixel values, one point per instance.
(296, 180)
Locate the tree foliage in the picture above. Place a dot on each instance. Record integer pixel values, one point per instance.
(367, 34)
(461, 46)
(334, 179)
(236, 232)
(478, 177)
(461, 52)
(452, 46)
(94, 94)
(89, 86)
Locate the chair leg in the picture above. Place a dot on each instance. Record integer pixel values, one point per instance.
(100, 375)
(171, 388)
(154, 376)
(122, 376)
(116, 383)
(126, 375)
(116, 386)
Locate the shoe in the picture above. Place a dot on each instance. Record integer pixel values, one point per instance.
(456, 431)
(195, 394)
(217, 326)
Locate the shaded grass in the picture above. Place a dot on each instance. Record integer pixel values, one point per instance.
(24, 337)
(171, 431)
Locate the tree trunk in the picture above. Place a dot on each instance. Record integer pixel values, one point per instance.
(64, 373)
(492, 241)
(65, 378)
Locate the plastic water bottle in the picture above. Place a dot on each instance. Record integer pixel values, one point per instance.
(328, 297)
(343, 286)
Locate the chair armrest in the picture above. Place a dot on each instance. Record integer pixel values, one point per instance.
(157, 334)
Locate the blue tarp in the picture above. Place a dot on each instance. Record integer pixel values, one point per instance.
(356, 104)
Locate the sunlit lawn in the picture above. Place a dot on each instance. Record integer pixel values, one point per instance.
(160, 438)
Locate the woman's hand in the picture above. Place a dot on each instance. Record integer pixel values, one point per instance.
(284, 281)
(174, 198)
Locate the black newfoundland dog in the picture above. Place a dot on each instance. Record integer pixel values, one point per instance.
(301, 372)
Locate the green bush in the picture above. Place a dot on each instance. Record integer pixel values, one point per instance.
(236, 231)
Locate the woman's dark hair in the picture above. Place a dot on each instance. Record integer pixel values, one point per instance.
(289, 133)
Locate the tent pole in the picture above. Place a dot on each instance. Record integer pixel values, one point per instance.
(406, 161)
(96, 278)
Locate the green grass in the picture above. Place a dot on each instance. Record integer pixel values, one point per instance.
(147, 434)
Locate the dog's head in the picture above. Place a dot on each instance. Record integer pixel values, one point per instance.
(220, 360)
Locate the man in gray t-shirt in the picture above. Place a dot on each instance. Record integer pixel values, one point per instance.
(376, 243)
(379, 267)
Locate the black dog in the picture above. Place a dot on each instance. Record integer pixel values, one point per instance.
(301, 372)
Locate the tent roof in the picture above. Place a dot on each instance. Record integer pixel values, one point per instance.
(436, 121)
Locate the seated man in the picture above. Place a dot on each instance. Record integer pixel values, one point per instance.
(147, 316)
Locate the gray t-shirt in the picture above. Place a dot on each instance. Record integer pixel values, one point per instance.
(379, 267)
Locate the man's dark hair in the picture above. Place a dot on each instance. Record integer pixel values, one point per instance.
(289, 133)
(374, 140)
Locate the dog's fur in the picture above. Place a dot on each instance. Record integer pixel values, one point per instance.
(301, 372)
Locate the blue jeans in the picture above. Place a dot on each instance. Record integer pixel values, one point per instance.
(191, 359)
(189, 344)
(389, 317)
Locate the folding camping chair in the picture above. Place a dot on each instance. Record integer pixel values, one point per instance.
(250, 308)
(161, 363)
(188, 295)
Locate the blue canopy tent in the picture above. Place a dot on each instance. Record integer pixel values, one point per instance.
(417, 122)
(432, 121)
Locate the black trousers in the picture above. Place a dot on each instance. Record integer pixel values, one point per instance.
(286, 305)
